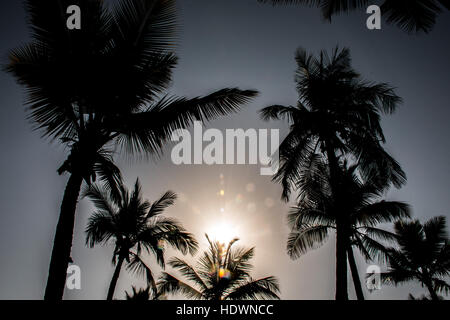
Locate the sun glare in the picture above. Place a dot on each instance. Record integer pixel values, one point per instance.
(223, 232)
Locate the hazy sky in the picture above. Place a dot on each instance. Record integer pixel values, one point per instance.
(229, 43)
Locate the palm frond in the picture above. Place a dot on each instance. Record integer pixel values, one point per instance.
(139, 267)
(188, 271)
(371, 248)
(410, 16)
(413, 15)
(303, 215)
(147, 131)
(441, 286)
(382, 212)
(149, 26)
(306, 238)
(265, 288)
(100, 198)
(436, 234)
(170, 231)
(278, 112)
(143, 294)
(168, 284)
(109, 174)
(100, 228)
(158, 207)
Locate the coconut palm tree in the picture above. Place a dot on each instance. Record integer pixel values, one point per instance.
(135, 226)
(408, 15)
(223, 273)
(337, 115)
(318, 211)
(423, 254)
(102, 90)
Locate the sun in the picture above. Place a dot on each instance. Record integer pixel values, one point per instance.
(222, 231)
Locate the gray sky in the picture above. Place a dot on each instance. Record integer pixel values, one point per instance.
(229, 43)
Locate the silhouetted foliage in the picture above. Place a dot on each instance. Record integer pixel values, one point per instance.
(222, 273)
(142, 295)
(359, 205)
(102, 90)
(337, 113)
(135, 226)
(423, 255)
(337, 116)
(408, 15)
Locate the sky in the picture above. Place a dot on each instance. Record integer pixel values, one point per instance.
(233, 43)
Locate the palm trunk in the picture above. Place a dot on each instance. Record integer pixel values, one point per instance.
(355, 275)
(341, 236)
(62, 243)
(112, 285)
(430, 287)
(341, 263)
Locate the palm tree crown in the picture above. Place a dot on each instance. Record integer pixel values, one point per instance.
(223, 273)
(337, 113)
(98, 88)
(135, 225)
(317, 211)
(423, 254)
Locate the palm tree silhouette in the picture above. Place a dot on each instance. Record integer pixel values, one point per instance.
(338, 114)
(318, 212)
(423, 254)
(223, 273)
(135, 225)
(409, 15)
(98, 91)
(142, 295)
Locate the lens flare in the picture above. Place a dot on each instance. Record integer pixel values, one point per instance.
(224, 274)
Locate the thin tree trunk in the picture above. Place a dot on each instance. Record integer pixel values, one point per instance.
(341, 263)
(341, 241)
(62, 243)
(355, 275)
(112, 285)
(431, 290)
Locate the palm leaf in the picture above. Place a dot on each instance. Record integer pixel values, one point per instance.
(100, 228)
(306, 238)
(138, 266)
(147, 131)
(188, 272)
(265, 288)
(161, 204)
(168, 284)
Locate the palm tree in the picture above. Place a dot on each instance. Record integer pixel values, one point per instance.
(318, 211)
(423, 254)
(223, 273)
(337, 115)
(98, 92)
(142, 295)
(135, 225)
(409, 15)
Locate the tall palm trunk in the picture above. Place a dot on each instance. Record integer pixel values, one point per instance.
(355, 275)
(112, 285)
(341, 236)
(62, 243)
